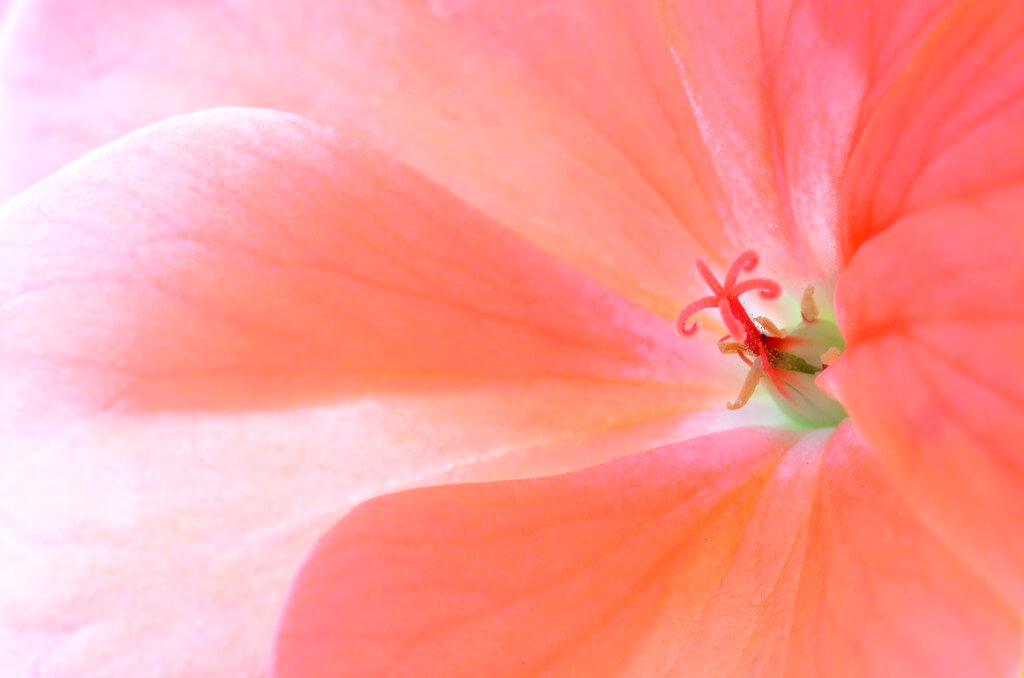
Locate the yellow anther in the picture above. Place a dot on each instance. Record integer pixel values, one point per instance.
(808, 309)
(829, 356)
(768, 326)
(732, 347)
(749, 385)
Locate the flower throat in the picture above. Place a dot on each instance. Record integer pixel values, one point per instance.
(789, 360)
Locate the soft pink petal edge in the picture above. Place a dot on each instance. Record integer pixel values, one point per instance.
(564, 120)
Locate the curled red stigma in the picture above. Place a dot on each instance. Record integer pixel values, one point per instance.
(746, 261)
(726, 298)
(692, 308)
(750, 341)
(786, 360)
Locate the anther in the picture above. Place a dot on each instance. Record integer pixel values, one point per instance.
(830, 356)
(735, 347)
(768, 326)
(749, 386)
(808, 309)
(728, 347)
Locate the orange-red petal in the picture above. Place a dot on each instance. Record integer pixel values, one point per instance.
(951, 126)
(782, 89)
(743, 553)
(564, 119)
(933, 373)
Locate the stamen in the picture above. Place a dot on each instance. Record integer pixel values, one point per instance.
(731, 347)
(808, 309)
(728, 347)
(830, 356)
(749, 386)
(769, 327)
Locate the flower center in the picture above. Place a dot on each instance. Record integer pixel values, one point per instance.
(789, 360)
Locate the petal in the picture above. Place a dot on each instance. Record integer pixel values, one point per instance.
(240, 259)
(185, 319)
(177, 535)
(782, 89)
(725, 555)
(934, 375)
(951, 126)
(565, 120)
(222, 331)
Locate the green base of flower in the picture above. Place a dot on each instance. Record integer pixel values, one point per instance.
(806, 405)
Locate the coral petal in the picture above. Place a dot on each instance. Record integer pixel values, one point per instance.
(247, 259)
(934, 375)
(726, 555)
(782, 105)
(950, 127)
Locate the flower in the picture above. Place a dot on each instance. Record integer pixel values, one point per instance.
(221, 332)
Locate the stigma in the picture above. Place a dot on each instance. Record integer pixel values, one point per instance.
(788, 361)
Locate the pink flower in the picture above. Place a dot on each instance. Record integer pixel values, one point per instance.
(457, 255)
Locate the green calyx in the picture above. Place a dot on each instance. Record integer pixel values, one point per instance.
(800, 399)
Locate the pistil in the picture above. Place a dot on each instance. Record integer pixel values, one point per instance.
(790, 360)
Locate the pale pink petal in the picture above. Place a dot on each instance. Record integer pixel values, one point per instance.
(241, 259)
(744, 553)
(565, 120)
(220, 332)
(782, 89)
(934, 373)
(950, 128)
(163, 546)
